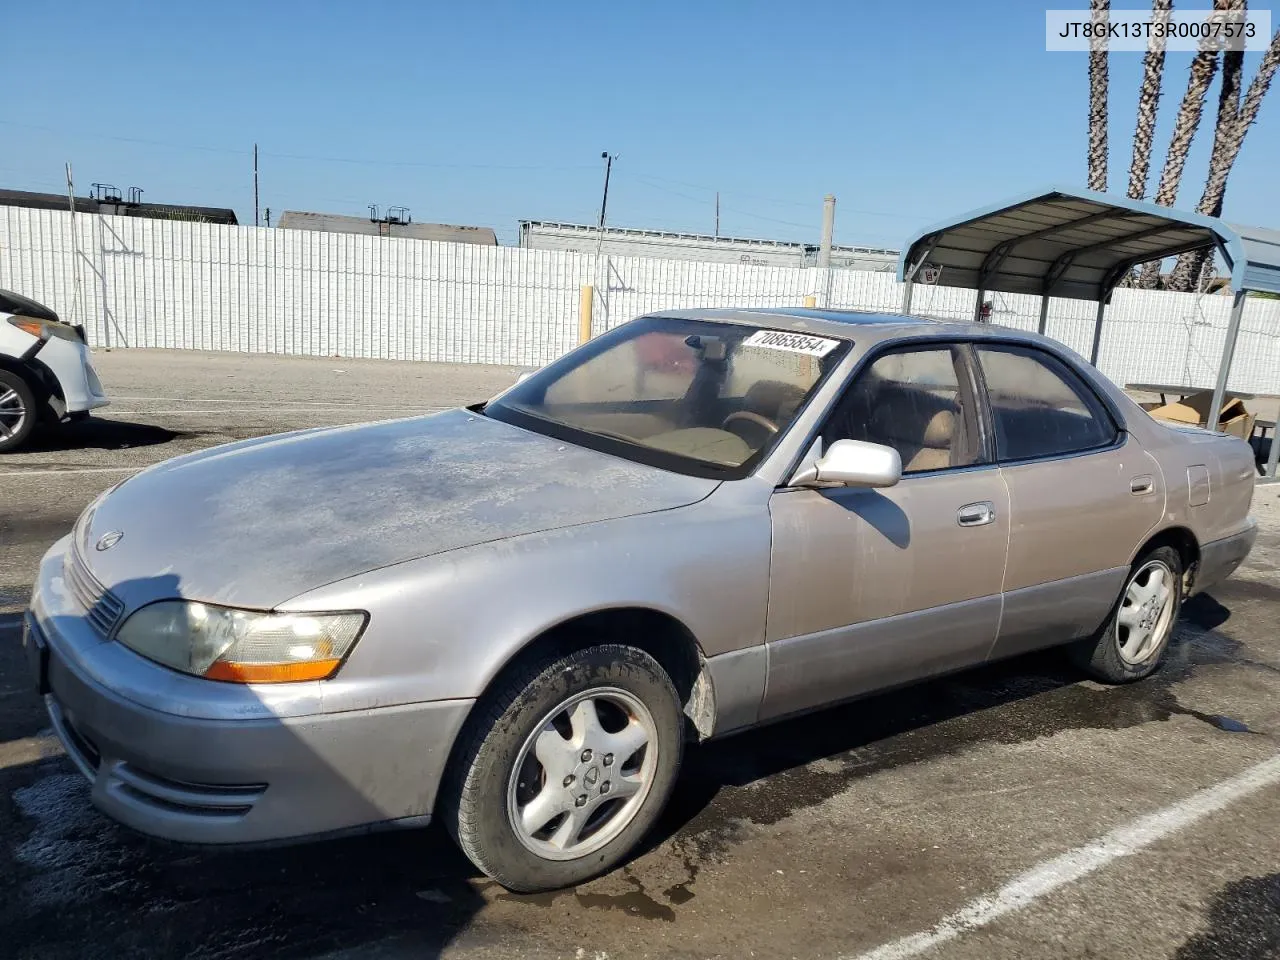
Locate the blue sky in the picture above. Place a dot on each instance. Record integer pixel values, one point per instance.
(489, 112)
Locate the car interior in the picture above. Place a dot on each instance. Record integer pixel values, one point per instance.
(702, 396)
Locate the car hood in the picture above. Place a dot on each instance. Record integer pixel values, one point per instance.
(258, 522)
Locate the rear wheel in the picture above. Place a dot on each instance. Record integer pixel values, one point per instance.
(565, 768)
(1130, 645)
(18, 411)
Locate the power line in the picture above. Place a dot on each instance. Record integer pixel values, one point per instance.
(312, 158)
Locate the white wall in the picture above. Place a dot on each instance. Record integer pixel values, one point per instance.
(159, 283)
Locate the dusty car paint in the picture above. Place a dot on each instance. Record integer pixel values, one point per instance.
(323, 505)
(467, 539)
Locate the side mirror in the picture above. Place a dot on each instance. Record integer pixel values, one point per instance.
(853, 463)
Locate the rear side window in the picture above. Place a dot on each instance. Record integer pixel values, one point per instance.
(1040, 407)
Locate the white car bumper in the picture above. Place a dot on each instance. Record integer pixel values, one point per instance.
(71, 363)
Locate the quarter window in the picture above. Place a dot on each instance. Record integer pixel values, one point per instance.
(1040, 407)
(913, 401)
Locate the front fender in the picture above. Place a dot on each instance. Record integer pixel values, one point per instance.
(443, 627)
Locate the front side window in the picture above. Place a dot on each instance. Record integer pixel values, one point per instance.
(1039, 406)
(913, 401)
(690, 395)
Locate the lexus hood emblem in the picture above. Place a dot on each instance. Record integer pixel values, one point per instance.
(109, 539)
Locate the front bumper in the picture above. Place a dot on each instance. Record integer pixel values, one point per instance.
(200, 780)
(72, 365)
(1220, 558)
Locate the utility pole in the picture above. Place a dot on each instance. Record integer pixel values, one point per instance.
(604, 199)
(75, 244)
(255, 185)
(828, 228)
(717, 214)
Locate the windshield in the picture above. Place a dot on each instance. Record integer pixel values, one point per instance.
(689, 395)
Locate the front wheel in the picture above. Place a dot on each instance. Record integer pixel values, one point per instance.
(18, 412)
(565, 768)
(1131, 643)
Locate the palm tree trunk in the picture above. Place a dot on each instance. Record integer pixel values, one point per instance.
(1204, 65)
(1148, 103)
(1235, 117)
(1098, 101)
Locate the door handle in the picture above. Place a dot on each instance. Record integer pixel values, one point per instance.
(1140, 485)
(976, 514)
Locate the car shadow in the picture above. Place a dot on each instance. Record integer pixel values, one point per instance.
(94, 433)
(810, 758)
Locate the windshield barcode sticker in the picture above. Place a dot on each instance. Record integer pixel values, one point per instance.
(791, 342)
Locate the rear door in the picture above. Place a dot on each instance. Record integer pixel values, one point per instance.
(872, 588)
(1083, 494)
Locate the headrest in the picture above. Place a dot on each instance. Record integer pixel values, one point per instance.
(774, 399)
(902, 423)
(940, 430)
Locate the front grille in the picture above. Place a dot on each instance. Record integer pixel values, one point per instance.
(102, 608)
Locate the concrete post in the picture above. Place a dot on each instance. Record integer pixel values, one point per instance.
(828, 228)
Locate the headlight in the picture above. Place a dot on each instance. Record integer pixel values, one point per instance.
(242, 646)
(46, 329)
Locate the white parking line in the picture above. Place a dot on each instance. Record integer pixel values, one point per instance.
(317, 403)
(47, 473)
(1076, 864)
(408, 412)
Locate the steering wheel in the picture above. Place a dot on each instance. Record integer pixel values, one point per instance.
(746, 415)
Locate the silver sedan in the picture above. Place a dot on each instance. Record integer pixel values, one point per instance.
(512, 617)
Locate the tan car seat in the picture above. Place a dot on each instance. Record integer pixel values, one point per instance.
(923, 444)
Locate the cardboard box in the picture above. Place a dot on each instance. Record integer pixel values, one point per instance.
(1234, 418)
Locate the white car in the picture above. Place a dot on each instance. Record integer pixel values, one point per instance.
(46, 375)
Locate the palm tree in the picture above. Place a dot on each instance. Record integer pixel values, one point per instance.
(1204, 65)
(1098, 100)
(1148, 102)
(1235, 117)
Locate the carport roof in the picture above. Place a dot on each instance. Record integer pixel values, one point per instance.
(1064, 242)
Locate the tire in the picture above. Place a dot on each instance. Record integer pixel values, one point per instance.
(1121, 651)
(18, 411)
(543, 713)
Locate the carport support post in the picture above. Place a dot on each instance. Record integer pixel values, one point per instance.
(906, 295)
(977, 307)
(1097, 332)
(1224, 369)
(1273, 455)
(1044, 314)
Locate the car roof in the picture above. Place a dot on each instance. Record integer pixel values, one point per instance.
(862, 326)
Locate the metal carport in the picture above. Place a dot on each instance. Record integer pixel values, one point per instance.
(1062, 242)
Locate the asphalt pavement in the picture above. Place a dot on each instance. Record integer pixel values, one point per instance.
(1011, 811)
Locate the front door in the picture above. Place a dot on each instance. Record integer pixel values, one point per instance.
(873, 588)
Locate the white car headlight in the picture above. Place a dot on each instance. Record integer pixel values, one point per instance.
(242, 646)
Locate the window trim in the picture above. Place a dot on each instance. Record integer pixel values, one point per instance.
(968, 384)
(1066, 372)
